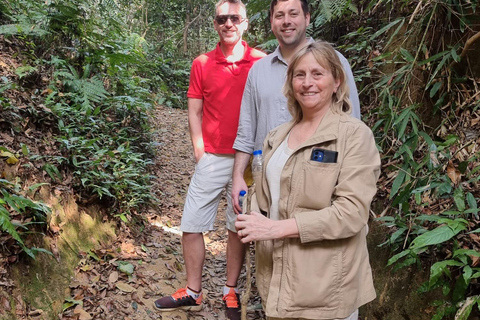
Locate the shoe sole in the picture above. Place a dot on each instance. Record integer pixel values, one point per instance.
(185, 308)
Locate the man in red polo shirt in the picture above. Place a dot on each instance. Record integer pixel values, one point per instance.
(217, 81)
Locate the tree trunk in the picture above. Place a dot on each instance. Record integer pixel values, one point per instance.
(185, 30)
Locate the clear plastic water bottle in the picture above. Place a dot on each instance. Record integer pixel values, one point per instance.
(241, 197)
(257, 162)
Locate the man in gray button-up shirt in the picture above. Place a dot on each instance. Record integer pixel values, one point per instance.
(264, 106)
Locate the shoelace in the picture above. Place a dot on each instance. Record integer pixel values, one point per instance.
(180, 294)
(231, 300)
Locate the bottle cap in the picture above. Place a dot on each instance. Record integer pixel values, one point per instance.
(257, 152)
(242, 193)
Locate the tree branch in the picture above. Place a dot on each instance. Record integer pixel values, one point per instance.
(468, 44)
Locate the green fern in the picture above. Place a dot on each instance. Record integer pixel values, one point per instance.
(109, 10)
(22, 29)
(4, 10)
(25, 71)
(329, 10)
(89, 89)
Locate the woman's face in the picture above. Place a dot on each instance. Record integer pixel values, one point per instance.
(313, 85)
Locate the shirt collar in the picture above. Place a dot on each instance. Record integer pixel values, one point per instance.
(277, 55)
(220, 57)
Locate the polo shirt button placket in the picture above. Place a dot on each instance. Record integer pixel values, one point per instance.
(235, 70)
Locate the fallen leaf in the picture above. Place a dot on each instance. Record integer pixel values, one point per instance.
(109, 305)
(169, 267)
(453, 173)
(69, 302)
(95, 279)
(125, 287)
(5, 304)
(86, 268)
(11, 159)
(136, 298)
(83, 315)
(92, 255)
(475, 261)
(178, 266)
(169, 250)
(474, 237)
(125, 267)
(128, 248)
(113, 277)
(35, 313)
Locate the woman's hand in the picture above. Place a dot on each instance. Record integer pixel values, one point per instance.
(255, 226)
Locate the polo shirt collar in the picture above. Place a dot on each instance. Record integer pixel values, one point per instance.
(220, 57)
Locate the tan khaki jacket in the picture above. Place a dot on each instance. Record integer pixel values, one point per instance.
(324, 274)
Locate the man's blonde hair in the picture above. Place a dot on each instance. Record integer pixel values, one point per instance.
(242, 5)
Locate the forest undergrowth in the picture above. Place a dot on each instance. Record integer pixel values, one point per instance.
(81, 80)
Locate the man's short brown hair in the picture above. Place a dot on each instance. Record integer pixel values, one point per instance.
(304, 4)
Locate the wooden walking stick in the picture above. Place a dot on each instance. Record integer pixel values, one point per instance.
(246, 208)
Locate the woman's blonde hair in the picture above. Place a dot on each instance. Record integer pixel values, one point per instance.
(326, 56)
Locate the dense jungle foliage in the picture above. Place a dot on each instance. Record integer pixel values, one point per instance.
(87, 74)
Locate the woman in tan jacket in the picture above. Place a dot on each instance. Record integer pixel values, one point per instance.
(319, 177)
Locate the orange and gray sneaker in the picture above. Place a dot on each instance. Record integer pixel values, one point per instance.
(232, 303)
(180, 300)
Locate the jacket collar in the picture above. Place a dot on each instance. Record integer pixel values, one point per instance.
(327, 130)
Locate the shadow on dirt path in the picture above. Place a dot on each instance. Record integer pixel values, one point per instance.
(102, 280)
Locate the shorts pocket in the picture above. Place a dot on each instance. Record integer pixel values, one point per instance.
(202, 159)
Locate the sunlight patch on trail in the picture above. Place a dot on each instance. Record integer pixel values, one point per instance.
(215, 247)
(159, 224)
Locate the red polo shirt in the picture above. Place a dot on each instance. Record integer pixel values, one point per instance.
(220, 85)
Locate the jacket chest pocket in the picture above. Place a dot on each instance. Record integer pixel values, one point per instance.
(318, 181)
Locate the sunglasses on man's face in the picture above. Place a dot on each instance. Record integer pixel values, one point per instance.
(235, 18)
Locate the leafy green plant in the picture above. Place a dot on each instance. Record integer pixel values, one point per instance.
(328, 10)
(170, 79)
(104, 138)
(13, 203)
(412, 77)
(84, 90)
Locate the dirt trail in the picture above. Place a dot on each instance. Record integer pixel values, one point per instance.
(156, 254)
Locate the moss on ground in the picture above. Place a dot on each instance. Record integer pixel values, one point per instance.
(43, 282)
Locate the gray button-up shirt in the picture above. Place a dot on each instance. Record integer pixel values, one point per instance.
(264, 106)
